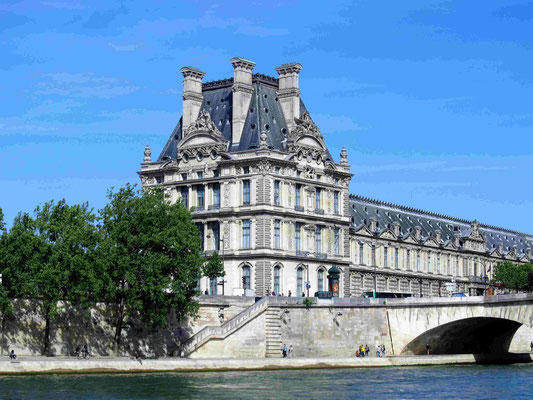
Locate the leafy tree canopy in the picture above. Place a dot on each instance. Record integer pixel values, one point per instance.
(151, 252)
(214, 267)
(513, 275)
(48, 258)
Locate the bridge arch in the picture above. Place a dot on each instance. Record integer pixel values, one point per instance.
(476, 335)
(460, 325)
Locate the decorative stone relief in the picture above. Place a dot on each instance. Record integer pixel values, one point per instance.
(226, 236)
(263, 167)
(227, 194)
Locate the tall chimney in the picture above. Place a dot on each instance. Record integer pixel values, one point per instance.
(192, 94)
(289, 92)
(242, 95)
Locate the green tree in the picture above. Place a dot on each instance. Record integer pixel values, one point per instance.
(6, 296)
(513, 275)
(214, 267)
(151, 252)
(49, 259)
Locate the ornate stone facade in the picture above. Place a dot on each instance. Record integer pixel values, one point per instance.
(274, 203)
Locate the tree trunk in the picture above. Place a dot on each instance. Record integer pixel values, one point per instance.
(46, 348)
(118, 329)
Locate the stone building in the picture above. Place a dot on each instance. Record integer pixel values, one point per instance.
(266, 193)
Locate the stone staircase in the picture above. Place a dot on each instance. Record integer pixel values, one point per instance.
(273, 332)
(221, 332)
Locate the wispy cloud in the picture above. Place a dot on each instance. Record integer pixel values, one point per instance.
(84, 85)
(123, 48)
(63, 5)
(102, 19)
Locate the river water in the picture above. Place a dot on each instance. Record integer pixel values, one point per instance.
(436, 382)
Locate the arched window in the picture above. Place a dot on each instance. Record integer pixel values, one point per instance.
(320, 283)
(299, 281)
(277, 273)
(246, 277)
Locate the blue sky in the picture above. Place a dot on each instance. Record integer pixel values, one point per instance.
(433, 99)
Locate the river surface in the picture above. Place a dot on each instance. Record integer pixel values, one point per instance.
(435, 382)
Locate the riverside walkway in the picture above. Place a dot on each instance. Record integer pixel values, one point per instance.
(58, 365)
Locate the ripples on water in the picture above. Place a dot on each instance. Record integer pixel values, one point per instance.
(440, 382)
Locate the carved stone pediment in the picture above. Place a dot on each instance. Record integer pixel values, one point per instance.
(363, 230)
(201, 139)
(387, 234)
(306, 140)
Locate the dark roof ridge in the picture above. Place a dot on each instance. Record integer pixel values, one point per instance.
(433, 214)
(217, 84)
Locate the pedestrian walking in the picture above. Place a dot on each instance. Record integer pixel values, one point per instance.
(531, 346)
(428, 349)
(367, 349)
(12, 355)
(291, 351)
(284, 351)
(290, 294)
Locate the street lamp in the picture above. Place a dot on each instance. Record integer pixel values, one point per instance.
(375, 280)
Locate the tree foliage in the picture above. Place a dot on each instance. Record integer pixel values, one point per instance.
(514, 276)
(214, 267)
(48, 259)
(151, 254)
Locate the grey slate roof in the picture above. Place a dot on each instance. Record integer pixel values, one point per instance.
(363, 209)
(264, 114)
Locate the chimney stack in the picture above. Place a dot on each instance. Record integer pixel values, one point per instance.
(192, 94)
(242, 95)
(289, 92)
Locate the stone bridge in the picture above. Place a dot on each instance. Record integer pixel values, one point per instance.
(458, 325)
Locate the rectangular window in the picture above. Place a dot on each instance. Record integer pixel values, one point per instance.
(277, 229)
(396, 258)
(200, 194)
(159, 179)
(200, 227)
(183, 177)
(199, 174)
(408, 259)
(438, 264)
(276, 193)
(213, 286)
(245, 170)
(246, 234)
(298, 190)
(386, 257)
(277, 170)
(336, 202)
(216, 195)
(246, 191)
(373, 254)
(317, 198)
(418, 261)
(216, 173)
(298, 237)
(318, 239)
(429, 262)
(216, 236)
(336, 247)
(185, 196)
(361, 253)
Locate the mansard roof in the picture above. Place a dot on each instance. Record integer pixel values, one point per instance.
(363, 209)
(265, 115)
